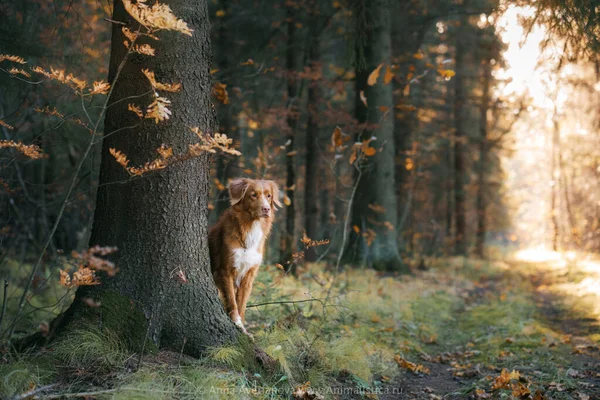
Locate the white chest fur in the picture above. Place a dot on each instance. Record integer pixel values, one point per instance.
(246, 258)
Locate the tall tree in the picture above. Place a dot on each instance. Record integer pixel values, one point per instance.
(226, 117)
(460, 137)
(374, 210)
(311, 193)
(294, 61)
(481, 203)
(159, 222)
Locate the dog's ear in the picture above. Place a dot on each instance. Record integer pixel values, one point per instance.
(275, 192)
(237, 190)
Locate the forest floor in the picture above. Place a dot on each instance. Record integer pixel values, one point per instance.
(525, 327)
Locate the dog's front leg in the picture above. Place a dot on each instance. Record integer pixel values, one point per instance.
(244, 291)
(228, 290)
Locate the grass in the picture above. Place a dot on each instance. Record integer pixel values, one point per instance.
(470, 315)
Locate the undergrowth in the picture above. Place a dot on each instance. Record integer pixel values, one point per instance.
(471, 315)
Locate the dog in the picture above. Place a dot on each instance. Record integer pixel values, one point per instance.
(237, 242)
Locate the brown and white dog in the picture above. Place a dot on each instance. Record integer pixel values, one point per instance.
(237, 242)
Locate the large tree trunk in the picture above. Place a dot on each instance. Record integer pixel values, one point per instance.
(375, 205)
(481, 204)
(460, 246)
(163, 290)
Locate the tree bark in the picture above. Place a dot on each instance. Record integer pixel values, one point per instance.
(375, 206)
(460, 246)
(159, 221)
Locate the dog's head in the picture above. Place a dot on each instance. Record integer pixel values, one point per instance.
(258, 198)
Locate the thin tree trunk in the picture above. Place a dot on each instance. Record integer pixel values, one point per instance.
(554, 184)
(226, 123)
(163, 290)
(481, 204)
(311, 194)
(293, 64)
(460, 247)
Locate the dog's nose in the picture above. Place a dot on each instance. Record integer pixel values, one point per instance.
(266, 210)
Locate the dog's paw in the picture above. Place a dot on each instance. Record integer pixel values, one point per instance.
(238, 322)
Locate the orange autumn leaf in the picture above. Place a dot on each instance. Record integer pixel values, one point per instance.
(415, 368)
(279, 266)
(367, 150)
(356, 228)
(389, 75)
(418, 56)
(383, 109)
(287, 201)
(502, 381)
(373, 76)
(336, 137)
(220, 92)
(406, 107)
(406, 91)
(219, 185)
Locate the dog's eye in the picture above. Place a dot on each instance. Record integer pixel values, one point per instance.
(254, 195)
(268, 196)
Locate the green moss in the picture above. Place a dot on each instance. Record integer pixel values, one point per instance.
(116, 314)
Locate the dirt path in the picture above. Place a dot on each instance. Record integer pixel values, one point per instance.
(574, 356)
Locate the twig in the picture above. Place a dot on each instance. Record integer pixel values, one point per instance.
(89, 147)
(320, 300)
(145, 340)
(181, 352)
(33, 392)
(4, 301)
(346, 227)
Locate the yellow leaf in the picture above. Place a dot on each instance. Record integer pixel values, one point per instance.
(406, 91)
(372, 80)
(292, 153)
(287, 201)
(249, 62)
(356, 228)
(418, 56)
(220, 13)
(383, 109)
(363, 98)
(389, 75)
(446, 73)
